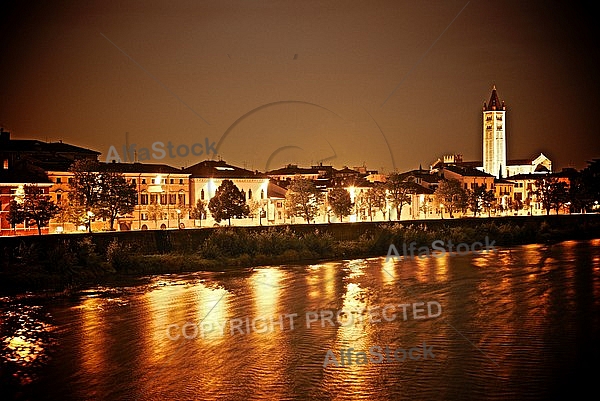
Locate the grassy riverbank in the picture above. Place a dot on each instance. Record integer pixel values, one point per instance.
(80, 261)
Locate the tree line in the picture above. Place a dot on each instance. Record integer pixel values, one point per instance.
(96, 192)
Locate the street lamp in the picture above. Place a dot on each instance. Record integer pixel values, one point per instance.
(90, 214)
(328, 211)
(178, 218)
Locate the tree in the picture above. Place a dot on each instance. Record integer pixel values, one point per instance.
(16, 213)
(70, 213)
(253, 207)
(488, 201)
(588, 192)
(542, 193)
(480, 199)
(303, 199)
(451, 195)
(399, 191)
(38, 208)
(559, 194)
(115, 196)
(85, 183)
(199, 211)
(340, 201)
(552, 193)
(182, 210)
(580, 193)
(373, 199)
(155, 212)
(228, 202)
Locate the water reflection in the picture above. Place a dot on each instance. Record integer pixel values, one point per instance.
(26, 338)
(514, 324)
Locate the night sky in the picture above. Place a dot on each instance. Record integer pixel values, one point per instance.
(277, 82)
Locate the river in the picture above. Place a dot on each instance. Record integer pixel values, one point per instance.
(518, 323)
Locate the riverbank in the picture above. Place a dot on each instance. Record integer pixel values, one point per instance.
(63, 263)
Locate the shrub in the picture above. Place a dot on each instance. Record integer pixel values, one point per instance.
(118, 255)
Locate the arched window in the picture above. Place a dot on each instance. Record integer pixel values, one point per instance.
(202, 194)
(249, 194)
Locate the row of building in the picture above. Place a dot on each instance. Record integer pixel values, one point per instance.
(46, 164)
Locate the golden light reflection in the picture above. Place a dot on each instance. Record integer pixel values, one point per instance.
(353, 332)
(23, 349)
(212, 313)
(321, 281)
(388, 271)
(93, 342)
(266, 286)
(422, 268)
(441, 268)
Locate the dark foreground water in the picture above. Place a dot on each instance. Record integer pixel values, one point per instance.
(521, 323)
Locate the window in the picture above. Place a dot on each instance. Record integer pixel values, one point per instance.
(144, 199)
(172, 181)
(262, 194)
(163, 199)
(202, 194)
(58, 180)
(70, 180)
(153, 198)
(173, 199)
(133, 181)
(58, 196)
(143, 180)
(249, 194)
(181, 199)
(5, 164)
(181, 181)
(144, 216)
(152, 181)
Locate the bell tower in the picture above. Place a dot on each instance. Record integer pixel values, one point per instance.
(494, 136)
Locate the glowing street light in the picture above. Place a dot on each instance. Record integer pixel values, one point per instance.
(90, 215)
